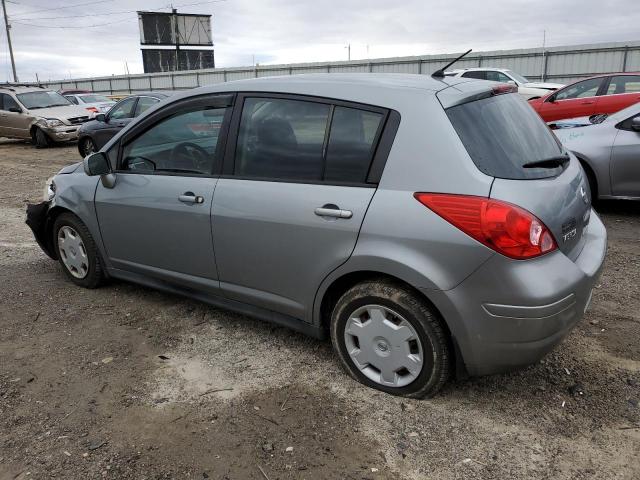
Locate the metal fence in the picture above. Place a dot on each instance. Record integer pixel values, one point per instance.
(557, 64)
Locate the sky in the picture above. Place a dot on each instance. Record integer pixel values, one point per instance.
(96, 38)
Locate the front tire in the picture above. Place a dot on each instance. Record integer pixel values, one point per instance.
(86, 146)
(40, 139)
(77, 251)
(390, 339)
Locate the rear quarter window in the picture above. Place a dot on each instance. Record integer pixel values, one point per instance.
(502, 133)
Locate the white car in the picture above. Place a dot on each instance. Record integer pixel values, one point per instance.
(93, 102)
(526, 88)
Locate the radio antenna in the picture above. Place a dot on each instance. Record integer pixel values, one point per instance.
(440, 73)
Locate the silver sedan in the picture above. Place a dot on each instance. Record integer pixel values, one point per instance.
(609, 150)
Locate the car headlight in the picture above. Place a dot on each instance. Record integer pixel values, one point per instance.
(52, 122)
(49, 190)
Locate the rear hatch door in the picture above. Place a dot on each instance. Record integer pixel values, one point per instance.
(507, 140)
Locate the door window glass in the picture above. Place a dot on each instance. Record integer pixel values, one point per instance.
(72, 99)
(7, 102)
(183, 143)
(144, 103)
(351, 144)
(587, 88)
(497, 76)
(281, 139)
(122, 109)
(475, 74)
(624, 84)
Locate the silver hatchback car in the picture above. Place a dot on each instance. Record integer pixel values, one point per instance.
(428, 226)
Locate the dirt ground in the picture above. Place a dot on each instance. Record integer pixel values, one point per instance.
(125, 382)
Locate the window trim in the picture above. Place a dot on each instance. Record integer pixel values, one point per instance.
(216, 100)
(380, 149)
(601, 88)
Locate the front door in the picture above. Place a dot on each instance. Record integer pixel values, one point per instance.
(290, 209)
(156, 219)
(577, 100)
(117, 118)
(625, 162)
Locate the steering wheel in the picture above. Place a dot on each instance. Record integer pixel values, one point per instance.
(190, 156)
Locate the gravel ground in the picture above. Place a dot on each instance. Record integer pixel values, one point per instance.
(125, 382)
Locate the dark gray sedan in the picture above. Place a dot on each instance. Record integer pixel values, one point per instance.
(93, 135)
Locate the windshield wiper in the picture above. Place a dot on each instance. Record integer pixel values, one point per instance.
(551, 162)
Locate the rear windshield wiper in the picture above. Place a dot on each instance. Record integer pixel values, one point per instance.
(551, 162)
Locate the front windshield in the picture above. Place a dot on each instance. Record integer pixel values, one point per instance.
(44, 99)
(517, 77)
(94, 98)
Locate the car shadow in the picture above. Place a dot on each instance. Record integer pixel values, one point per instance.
(628, 208)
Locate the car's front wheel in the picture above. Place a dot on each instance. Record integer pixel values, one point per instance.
(388, 338)
(87, 146)
(77, 251)
(40, 139)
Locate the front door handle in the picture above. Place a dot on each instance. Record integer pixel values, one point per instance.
(588, 102)
(334, 212)
(190, 197)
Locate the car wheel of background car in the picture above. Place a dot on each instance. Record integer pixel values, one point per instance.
(87, 146)
(77, 252)
(40, 139)
(388, 338)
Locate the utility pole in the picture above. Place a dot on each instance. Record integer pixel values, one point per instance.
(8, 27)
(544, 43)
(348, 47)
(177, 34)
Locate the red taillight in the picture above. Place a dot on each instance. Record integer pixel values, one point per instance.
(92, 109)
(506, 228)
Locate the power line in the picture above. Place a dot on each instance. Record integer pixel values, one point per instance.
(61, 8)
(122, 12)
(75, 26)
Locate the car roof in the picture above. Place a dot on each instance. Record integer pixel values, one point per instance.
(19, 88)
(601, 75)
(154, 93)
(478, 69)
(380, 89)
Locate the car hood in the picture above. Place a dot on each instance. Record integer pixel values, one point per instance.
(543, 85)
(69, 168)
(63, 112)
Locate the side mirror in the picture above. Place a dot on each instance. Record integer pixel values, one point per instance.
(101, 117)
(96, 164)
(15, 109)
(551, 99)
(635, 124)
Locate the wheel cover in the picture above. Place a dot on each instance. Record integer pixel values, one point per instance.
(73, 252)
(384, 346)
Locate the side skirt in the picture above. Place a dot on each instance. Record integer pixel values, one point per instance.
(221, 302)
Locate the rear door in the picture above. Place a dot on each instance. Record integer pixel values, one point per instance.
(506, 140)
(625, 161)
(156, 219)
(294, 193)
(577, 100)
(620, 92)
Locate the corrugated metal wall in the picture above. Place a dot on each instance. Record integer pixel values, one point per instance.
(556, 64)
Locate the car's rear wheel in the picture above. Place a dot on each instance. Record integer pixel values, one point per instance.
(40, 139)
(388, 338)
(87, 146)
(77, 252)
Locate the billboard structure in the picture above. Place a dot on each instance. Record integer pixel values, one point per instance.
(175, 30)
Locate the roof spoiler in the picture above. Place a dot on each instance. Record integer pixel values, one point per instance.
(440, 72)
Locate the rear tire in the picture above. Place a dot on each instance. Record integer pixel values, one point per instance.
(408, 354)
(40, 139)
(77, 251)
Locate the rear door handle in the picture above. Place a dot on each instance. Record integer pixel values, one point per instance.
(190, 197)
(333, 212)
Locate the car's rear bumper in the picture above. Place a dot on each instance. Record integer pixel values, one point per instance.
(510, 313)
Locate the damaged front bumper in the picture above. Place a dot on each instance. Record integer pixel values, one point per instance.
(38, 221)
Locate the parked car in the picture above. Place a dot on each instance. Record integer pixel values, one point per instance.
(44, 116)
(96, 133)
(609, 150)
(601, 94)
(93, 102)
(388, 212)
(526, 88)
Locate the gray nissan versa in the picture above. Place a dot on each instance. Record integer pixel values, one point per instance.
(427, 225)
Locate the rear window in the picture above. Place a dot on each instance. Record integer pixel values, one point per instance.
(502, 133)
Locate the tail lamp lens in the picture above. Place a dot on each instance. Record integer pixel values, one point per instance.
(501, 226)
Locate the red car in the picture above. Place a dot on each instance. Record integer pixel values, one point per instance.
(602, 94)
